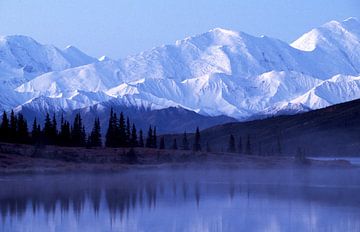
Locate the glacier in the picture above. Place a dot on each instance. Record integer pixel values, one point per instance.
(220, 72)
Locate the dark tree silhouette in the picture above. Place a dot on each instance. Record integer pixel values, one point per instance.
(47, 131)
(141, 139)
(22, 133)
(134, 138)
(248, 150)
(95, 135)
(13, 127)
(128, 132)
(240, 146)
(54, 132)
(4, 129)
(149, 139)
(197, 142)
(185, 142)
(122, 140)
(78, 135)
(231, 146)
(112, 130)
(35, 132)
(65, 133)
(154, 138)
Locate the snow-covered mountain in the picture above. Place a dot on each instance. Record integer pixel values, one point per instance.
(220, 72)
(22, 59)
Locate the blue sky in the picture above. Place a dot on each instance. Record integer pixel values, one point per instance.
(118, 28)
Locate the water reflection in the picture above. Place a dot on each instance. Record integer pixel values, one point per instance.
(183, 200)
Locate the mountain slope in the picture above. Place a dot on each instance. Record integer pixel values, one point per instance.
(333, 131)
(22, 59)
(220, 72)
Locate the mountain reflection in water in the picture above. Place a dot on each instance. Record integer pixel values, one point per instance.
(183, 200)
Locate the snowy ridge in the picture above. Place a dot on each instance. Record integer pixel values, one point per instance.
(220, 72)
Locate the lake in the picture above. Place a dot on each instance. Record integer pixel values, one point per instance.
(352, 160)
(204, 199)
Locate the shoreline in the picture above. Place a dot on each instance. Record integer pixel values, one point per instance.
(27, 159)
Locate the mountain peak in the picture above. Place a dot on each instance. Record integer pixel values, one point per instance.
(329, 35)
(223, 31)
(352, 20)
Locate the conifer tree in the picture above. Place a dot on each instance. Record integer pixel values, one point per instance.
(111, 131)
(149, 139)
(141, 139)
(185, 143)
(231, 146)
(134, 138)
(22, 133)
(240, 146)
(94, 139)
(54, 132)
(35, 133)
(13, 127)
(78, 135)
(121, 141)
(154, 138)
(248, 146)
(174, 145)
(128, 132)
(4, 128)
(65, 133)
(162, 143)
(197, 145)
(48, 128)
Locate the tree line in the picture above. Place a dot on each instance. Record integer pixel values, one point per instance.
(120, 133)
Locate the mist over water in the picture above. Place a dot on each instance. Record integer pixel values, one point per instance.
(183, 200)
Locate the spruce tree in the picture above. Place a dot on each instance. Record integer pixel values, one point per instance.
(240, 146)
(47, 131)
(35, 134)
(128, 132)
(197, 143)
(141, 139)
(134, 138)
(54, 132)
(154, 138)
(174, 145)
(185, 143)
(22, 130)
(149, 139)
(248, 146)
(13, 127)
(78, 135)
(94, 139)
(231, 146)
(162, 143)
(65, 133)
(121, 134)
(4, 128)
(111, 131)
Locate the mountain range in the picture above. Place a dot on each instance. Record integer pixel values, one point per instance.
(217, 73)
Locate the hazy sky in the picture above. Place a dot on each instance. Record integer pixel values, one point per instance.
(118, 28)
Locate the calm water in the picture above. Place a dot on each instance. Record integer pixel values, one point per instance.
(183, 200)
(352, 160)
